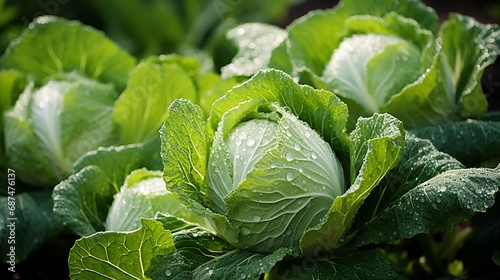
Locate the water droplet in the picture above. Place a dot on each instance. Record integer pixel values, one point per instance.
(307, 134)
(323, 187)
(168, 272)
(244, 231)
(296, 147)
(244, 192)
(438, 200)
(250, 142)
(273, 165)
(442, 188)
(289, 156)
(290, 175)
(314, 155)
(256, 218)
(288, 133)
(265, 141)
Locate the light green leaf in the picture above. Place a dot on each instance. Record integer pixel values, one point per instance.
(119, 255)
(184, 151)
(468, 47)
(288, 190)
(210, 88)
(256, 43)
(341, 265)
(379, 142)
(436, 205)
(470, 141)
(51, 127)
(142, 108)
(143, 195)
(31, 221)
(313, 37)
(322, 110)
(83, 200)
(53, 45)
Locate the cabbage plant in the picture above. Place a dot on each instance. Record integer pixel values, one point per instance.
(383, 56)
(288, 191)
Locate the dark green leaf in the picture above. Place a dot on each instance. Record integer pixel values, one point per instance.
(28, 225)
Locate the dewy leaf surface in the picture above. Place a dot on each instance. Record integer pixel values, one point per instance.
(345, 264)
(119, 255)
(469, 141)
(256, 42)
(420, 162)
(53, 45)
(142, 108)
(468, 47)
(194, 248)
(436, 205)
(379, 142)
(184, 151)
(83, 200)
(238, 264)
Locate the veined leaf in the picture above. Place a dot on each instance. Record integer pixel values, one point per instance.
(435, 205)
(469, 141)
(342, 264)
(383, 136)
(420, 162)
(83, 200)
(119, 255)
(185, 151)
(142, 108)
(256, 43)
(194, 248)
(52, 45)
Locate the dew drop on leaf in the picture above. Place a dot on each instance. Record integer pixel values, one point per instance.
(168, 272)
(289, 156)
(256, 218)
(314, 155)
(244, 231)
(290, 175)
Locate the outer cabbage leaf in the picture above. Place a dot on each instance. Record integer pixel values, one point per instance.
(51, 127)
(257, 43)
(143, 195)
(313, 40)
(468, 48)
(53, 45)
(471, 141)
(119, 255)
(83, 200)
(142, 108)
(342, 264)
(435, 205)
(378, 142)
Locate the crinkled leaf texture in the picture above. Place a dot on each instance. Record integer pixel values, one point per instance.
(83, 200)
(142, 108)
(185, 140)
(52, 45)
(442, 83)
(471, 141)
(342, 264)
(428, 192)
(143, 195)
(378, 142)
(119, 255)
